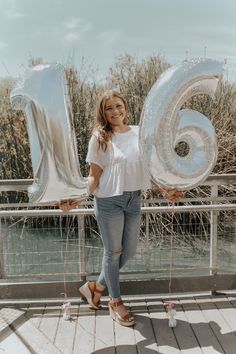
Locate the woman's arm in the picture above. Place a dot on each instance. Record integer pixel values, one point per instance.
(95, 172)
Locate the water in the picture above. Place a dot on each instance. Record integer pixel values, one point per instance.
(54, 252)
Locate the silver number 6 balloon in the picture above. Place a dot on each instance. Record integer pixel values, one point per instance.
(43, 96)
(164, 125)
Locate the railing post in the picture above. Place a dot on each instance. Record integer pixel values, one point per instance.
(81, 240)
(213, 236)
(147, 237)
(2, 273)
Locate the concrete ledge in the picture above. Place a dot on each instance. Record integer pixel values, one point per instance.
(55, 290)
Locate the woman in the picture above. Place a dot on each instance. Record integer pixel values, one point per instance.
(116, 178)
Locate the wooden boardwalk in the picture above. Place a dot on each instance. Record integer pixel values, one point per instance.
(205, 324)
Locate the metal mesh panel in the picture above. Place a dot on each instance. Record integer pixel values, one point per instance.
(55, 247)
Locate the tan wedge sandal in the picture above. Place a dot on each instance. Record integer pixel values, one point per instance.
(127, 320)
(88, 291)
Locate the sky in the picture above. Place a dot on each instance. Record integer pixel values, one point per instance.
(94, 33)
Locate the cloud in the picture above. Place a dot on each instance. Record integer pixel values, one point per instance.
(3, 45)
(77, 23)
(109, 37)
(14, 15)
(75, 27)
(72, 36)
(227, 30)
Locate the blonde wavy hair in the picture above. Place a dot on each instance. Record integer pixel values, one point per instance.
(102, 126)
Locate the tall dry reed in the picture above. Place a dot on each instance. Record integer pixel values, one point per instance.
(134, 79)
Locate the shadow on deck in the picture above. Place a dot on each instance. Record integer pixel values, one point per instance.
(205, 324)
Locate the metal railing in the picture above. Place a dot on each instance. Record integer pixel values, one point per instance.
(51, 247)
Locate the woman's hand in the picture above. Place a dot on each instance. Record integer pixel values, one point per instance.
(173, 194)
(68, 205)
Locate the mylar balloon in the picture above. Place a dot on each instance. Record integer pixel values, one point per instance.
(42, 95)
(163, 125)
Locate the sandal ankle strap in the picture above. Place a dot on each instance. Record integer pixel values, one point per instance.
(96, 290)
(115, 303)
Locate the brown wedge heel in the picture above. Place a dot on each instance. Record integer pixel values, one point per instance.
(127, 320)
(88, 291)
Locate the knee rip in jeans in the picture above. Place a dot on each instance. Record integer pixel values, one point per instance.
(119, 251)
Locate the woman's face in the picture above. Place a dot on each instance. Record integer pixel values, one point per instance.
(115, 112)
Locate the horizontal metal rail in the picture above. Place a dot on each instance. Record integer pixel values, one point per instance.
(23, 184)
(90, 211)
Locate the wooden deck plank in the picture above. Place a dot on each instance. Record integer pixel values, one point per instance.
(204, 325)
(166, 341)
(49, 321)
(184, 333)
(65, 334)
(218, 325)
(125, 340)
(143, 330)
(13, 344)
(11, 314)
(85, 331)
(9, 341)
(227, 310)
(35, 314)
(29, 335)
(124, 336)
(232, 300)
(35, 339)
(203, 332)
(104, 332)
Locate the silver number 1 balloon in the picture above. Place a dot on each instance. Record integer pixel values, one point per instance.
(43, 96)
(164, 125)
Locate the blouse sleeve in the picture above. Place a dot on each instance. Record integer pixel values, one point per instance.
(94, 154)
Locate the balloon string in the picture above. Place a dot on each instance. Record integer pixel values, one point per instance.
(171, 250)
(68, 228)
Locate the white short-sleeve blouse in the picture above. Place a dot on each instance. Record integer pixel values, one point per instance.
(122, 166)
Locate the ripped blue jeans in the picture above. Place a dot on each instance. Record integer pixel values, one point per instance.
(118, 220)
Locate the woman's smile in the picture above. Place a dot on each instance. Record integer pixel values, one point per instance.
(115, 112)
